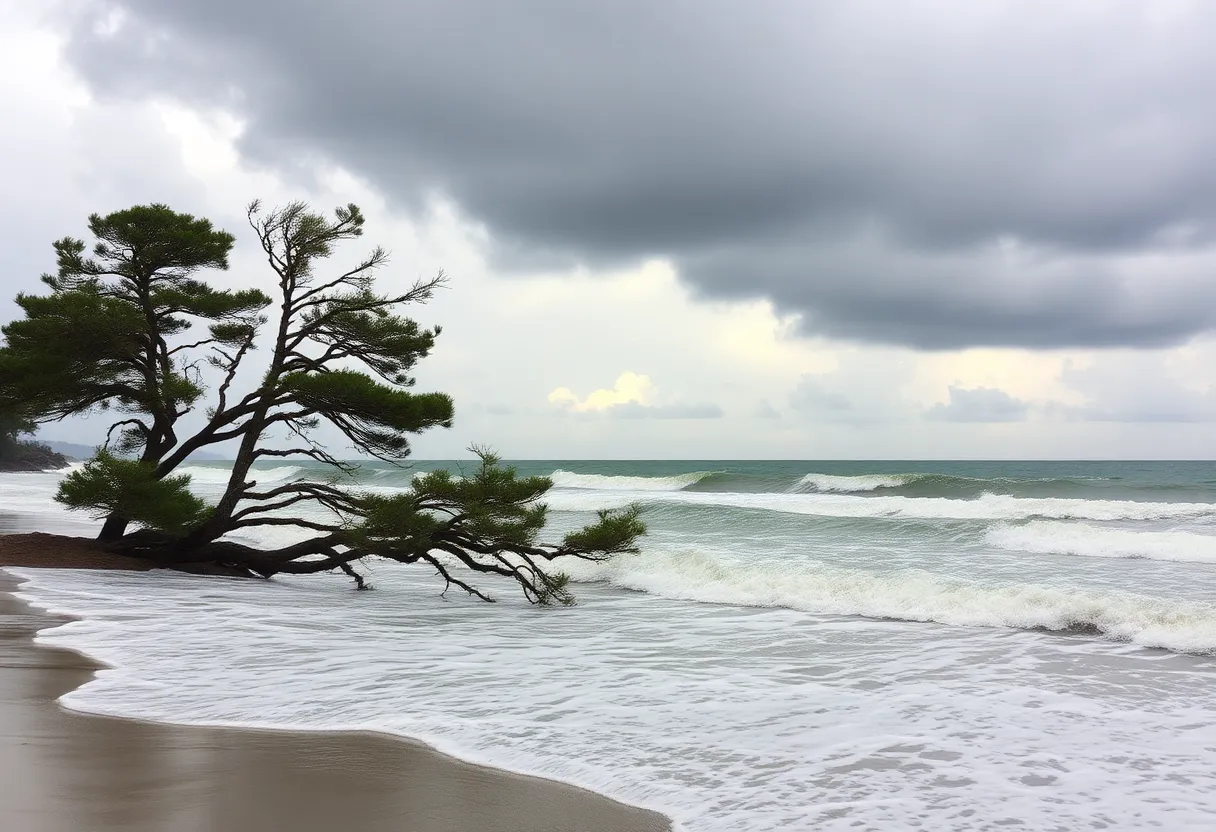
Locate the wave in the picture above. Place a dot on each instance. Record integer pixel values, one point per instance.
(904, 484)
(918, 484)
(985, 507)
(1083, 539)
(863, 482)
(208, 475)
(910, 484)
(909, 595)
(952, 485)
(604, 482)
(780, 480)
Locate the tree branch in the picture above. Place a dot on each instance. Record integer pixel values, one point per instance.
(183, 347)
(450, 580)
(283, 521)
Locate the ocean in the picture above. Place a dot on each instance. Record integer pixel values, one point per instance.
(799, 645)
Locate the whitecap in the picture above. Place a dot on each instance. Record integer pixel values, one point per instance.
(1088, 540)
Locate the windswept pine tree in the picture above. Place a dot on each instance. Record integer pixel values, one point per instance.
(118, 332)
(109, 336)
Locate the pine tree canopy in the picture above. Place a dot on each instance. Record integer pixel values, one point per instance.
(108, 485)
(102, 338)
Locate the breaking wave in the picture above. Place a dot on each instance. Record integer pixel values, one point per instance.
(910, 595)
(603, 482)
(1086, 540)
(952, 485)
(863, 482)
(208, 475)
(985, 507)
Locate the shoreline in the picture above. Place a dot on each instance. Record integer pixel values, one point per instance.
(62, 770)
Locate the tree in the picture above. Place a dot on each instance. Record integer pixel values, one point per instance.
(105, 336)
(12, 427)
(340, 353)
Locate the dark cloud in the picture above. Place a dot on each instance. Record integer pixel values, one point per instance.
(933, 174)
(979, 404)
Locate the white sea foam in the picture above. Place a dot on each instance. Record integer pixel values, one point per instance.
(603, 482)
(1050, 538)
(31, 498)
(985, 507)
(726, 718)
(862, 482)
(908, 595)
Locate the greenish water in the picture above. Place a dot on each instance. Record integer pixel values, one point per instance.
(1186, 481)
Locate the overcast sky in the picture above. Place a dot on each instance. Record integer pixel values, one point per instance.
(689, 228)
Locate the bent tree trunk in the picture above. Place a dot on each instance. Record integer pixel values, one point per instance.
(113, 529)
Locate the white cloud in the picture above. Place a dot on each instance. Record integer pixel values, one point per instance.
(980, 404)
(1138, 388)
(764, 410)
(631, 397)
(812, 396)
(869, 387)
(629, 387)
(633, 410)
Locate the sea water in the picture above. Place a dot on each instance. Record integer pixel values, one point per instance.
(799, 645)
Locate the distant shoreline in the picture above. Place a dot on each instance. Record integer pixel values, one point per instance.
(23, 455)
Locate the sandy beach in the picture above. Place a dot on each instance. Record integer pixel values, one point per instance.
(61, 771)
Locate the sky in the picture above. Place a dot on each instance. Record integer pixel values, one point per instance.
(690, 229)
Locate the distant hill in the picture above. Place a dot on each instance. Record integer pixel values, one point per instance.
(21, 455)
(69, 449)
(77, 451)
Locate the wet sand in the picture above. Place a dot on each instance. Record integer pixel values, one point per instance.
(67, 772)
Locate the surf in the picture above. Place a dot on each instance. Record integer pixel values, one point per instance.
(1088, 540)
(913, 595)
(984, 507)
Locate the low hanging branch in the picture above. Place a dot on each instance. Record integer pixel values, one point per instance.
(488, 523)
(340, 354)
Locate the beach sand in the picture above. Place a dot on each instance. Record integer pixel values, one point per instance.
(66, 772)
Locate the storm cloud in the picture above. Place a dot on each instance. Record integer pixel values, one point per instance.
(929, 174)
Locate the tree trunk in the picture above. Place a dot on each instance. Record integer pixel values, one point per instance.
(221, 516)
(113, 528)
